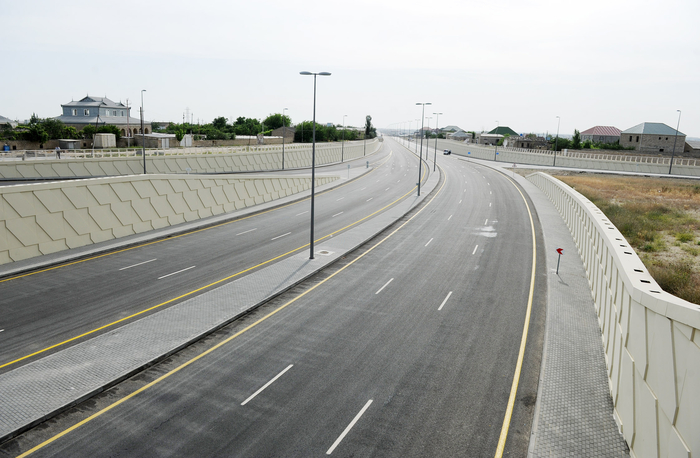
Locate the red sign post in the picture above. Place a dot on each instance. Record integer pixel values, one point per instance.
(561, 252)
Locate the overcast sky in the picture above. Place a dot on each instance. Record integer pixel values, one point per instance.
(519, 62)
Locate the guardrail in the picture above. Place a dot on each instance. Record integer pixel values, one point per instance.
(651, 338)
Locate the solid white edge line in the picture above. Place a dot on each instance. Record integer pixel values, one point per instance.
(337, 214)
(337, 200)
(475, 249)
(460, 201)
(428, 242)
(280, 236)
(191, 267)
(385, 285)
(489, 204)
(486, 222)
(299, 214)
(449, 218)
(370, 199)
(262, 388)
(245, 232)
(144, 262)
(349, 427)
(445, 301)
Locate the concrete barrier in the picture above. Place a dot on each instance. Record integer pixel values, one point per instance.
(175, 161)
(620, 163)
(38, 219)
(651, 338)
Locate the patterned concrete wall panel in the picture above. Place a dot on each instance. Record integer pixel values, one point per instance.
(45, 170)
(206, 197)
(661, 372)
(260, 187)
(176, 219)
(94, 169)
(109, 169)
(144, 210)
(62, 169)
(123, 167)
(79, 220)
(102, 193)
(163, 187)
(194, 185)
(53, 246)
(125, 191)
(9, 171)
(179, 186)
(77, 169)
(135, 167)
(23, 203)
(24, 230)
(123, 231)
(125, 213)
(144, 226)
(104, 217)
(688, 382)
(177, 202)
(20, 253)
(646, 438)
(144, 188)
(53, 225)
(251, 189)
(192, 199)
(27, 170)
(161, 204)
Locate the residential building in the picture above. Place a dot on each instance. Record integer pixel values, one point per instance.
(487, 138)
(98, 111)
(527, 142)
(653, 137)
(288, 133)
(459, 135)
(7, 122)
(504, 130)
(450, 129)
(601, 134)
(692, 148)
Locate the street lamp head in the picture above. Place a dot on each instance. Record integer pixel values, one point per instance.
(315, 73)
(426, 103)
(305, 73)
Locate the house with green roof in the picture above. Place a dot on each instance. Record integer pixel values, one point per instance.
(503, 130)
(653, 137)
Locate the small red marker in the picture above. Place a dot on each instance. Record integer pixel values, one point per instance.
(561, 252)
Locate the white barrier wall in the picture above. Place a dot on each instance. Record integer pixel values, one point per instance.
(651, 338)
(264, 159)
(621, 163)
(38, 219)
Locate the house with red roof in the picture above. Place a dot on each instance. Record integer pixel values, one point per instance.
(601, 134)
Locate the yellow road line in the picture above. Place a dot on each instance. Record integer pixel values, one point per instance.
(184, 233)
(523, 340)
(141, 312)
(224, 342)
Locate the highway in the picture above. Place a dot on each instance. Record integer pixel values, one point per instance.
(408, 347)
(53, 307)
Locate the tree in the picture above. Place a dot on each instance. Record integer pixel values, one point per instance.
(500, 142)
(576, 140)
(219, 123)
(88, 131)
(54, 128)
(179, 134)
(277, 120)
(110, 129)
(370, 130)
(37, 133)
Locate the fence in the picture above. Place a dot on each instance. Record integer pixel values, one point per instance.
(651, 338)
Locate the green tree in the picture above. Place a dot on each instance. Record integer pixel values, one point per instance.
(88, 132)
(110, 129)
(37, 133)
(179, 134)
(500, 142)
(54, 128)
(277, 120)
(370, 130)
(576, 140)
(219, 123)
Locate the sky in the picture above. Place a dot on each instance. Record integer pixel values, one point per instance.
(516, 63)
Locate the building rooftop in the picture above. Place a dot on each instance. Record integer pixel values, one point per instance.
(89, 101)
(652, 128)
(503, 130)
(607, 131)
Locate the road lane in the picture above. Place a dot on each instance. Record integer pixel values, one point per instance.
(57, 305)
(439, 382)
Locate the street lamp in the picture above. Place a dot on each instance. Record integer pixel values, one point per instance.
(427, 146)
(437, 127)
(417, 121)
(420, 157)
(313, 159)
(556, 142)
(495, 154)
(674, 142)
(284, 134)
(143, 135)
(342, 144)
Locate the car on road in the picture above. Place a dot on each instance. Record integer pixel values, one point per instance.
(447, 152)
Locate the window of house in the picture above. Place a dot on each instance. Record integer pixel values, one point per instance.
(666, 138)
(660, 138)
(637, 138)
(630, 138)
(114, 112)
(86, 112)
(661, 150)
(122, 112)
(74, 112)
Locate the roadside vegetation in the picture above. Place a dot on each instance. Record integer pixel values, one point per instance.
(659, 217)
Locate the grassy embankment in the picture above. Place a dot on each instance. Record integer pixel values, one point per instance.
(659, 217)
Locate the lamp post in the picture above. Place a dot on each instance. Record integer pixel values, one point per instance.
(313, 161)
(284, 134)
(437, 127)
(495, 154)
(427, 145)
(556, 142)
(670, 167)
(342, 144)
(416, 136)
(143, 135)
(420, 157)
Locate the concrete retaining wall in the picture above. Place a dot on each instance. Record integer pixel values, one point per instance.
(620, 163)
(221, 160)
(38, 219)
(651, 338)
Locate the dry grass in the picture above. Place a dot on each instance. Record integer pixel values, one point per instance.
(659, 217)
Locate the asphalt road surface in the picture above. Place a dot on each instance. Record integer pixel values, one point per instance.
(408, 347)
